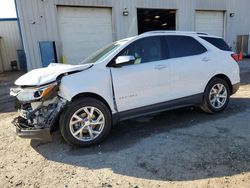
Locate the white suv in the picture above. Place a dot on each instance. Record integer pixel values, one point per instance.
(146, 74)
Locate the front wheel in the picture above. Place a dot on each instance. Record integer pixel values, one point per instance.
(85, 122)
(216, 96)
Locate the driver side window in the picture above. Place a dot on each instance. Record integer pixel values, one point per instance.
(144, 50)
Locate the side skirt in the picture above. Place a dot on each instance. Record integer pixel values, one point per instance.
(192, 100)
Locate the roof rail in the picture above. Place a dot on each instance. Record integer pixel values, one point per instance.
(202, 33)
(173, 31)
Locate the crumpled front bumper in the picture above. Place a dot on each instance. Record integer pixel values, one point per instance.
(24, 131)
(38, 121)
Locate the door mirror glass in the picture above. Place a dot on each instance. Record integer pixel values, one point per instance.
(125, 60)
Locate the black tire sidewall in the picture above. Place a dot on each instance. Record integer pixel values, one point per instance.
(71, 109)
(207, 92)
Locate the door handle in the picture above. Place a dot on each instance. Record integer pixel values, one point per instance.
(159, 67)
(206, 59)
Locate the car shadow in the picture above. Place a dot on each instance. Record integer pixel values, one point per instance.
(177, 145)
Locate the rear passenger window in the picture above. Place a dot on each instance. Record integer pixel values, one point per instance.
(217, 42)
(181, 46)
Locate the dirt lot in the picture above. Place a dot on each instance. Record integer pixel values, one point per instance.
(180, 148)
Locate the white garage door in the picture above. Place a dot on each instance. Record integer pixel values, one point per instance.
(83, 31)
(211, 22)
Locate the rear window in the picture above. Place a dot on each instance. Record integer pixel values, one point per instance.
(181, 46)
(217, 42)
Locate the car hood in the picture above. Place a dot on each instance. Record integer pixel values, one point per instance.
(48, 74)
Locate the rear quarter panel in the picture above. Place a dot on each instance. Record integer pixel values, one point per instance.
(228, 66)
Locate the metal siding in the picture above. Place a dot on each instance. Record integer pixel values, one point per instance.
(211, 4)
(23, 8)
(46, 27)
(185, 15)
(10, 43)
(239, 24)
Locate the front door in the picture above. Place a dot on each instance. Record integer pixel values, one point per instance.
(145, 82)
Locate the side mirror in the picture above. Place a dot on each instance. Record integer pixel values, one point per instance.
(124, 60)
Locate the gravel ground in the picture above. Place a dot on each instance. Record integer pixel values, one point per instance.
(179, 148)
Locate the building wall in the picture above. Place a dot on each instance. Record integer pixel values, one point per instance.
(39, 21)
(10, 42)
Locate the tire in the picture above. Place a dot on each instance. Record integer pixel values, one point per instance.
(209, 99)
(77, 119)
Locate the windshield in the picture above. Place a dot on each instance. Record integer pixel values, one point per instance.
(102, 53)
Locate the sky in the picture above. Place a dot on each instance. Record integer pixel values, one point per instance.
(7, 9)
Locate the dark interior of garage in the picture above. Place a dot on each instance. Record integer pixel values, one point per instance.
(155, 19)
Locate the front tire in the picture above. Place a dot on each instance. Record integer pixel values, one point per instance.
(216, 96)
(85, 122)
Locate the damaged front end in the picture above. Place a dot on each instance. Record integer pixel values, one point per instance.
(38, 108)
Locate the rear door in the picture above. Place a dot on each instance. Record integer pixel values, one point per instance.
(145, 82)
(191, 65)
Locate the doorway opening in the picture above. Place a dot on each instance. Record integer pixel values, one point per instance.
(156, 19)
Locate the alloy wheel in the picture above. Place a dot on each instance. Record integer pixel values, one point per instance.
(87, 123)
(218, 95)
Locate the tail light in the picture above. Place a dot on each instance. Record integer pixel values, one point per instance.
(235, 57)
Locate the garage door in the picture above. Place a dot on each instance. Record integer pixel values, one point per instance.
(211, 22)
(83, 31)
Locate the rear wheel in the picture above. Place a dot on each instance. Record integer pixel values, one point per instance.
(85, 122)
(216, 96)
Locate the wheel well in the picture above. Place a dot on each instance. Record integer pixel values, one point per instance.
(55, 125)
(224, 77)
(92, 95)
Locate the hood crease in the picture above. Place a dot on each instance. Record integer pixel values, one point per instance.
(48, 74)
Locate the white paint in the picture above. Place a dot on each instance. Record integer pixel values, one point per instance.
(190, 75)
(83, 31)
(48, 74)
(211, 22)
(140, 85)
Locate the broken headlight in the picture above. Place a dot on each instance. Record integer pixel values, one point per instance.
(34, 93)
